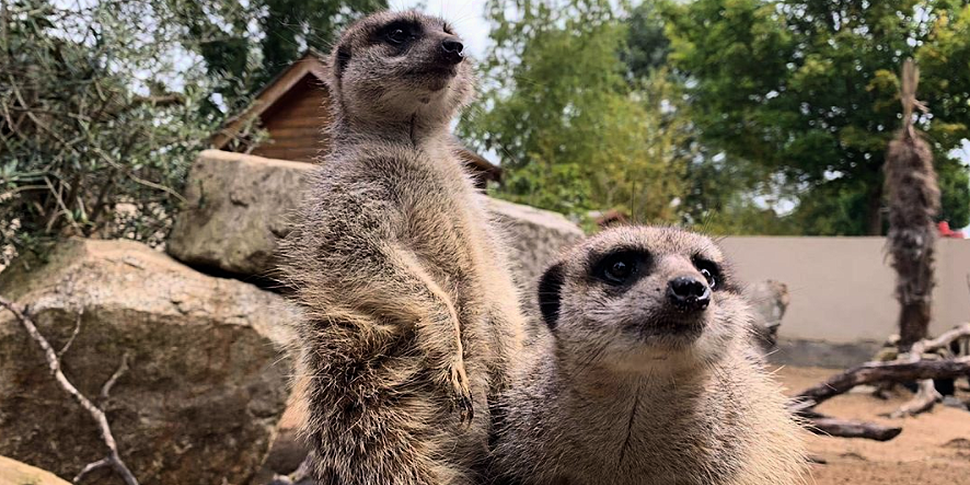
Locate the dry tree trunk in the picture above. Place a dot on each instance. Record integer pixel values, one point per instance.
(914, 200)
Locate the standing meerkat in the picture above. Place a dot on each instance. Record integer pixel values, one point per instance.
(410, 316)
(646, 374)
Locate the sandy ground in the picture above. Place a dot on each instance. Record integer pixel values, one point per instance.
(933, 449)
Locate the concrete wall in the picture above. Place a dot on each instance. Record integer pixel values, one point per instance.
(842, 287)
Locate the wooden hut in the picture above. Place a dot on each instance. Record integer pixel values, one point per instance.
(610, 218)
(294, 108)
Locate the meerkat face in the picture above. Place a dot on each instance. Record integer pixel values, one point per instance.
(397, 65)
(639, 298)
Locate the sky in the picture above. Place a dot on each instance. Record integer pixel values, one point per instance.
(468, 17)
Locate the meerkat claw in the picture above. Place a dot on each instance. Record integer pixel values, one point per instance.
(466, 411)
(463, 394)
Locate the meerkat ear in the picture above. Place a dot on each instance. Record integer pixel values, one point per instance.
(550, 286)
(343, 57)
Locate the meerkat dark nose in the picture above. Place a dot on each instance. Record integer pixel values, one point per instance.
(452, 50)
(688, 293)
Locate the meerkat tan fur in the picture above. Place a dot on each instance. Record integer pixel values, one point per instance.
(646, 374)
(410, 314)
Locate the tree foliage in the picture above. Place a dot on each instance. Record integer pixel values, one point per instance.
(575, 130)
(249, 42)
(98, 122)
(805, 93)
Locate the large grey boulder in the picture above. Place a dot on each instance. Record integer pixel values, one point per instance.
(237, 209)
(536, 238)
(769, 299)
(206, 383)
(238, 206)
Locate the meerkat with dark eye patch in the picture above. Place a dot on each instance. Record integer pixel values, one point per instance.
(411, 317)
(645, 375)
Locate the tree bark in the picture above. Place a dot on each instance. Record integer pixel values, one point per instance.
(914, 202)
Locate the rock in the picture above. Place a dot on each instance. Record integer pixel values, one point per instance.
(238, 204)
(236, 211)
(770, 300)
(13, 472)
(536, 238)
(206, 384)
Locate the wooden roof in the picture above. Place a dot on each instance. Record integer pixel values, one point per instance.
(310, 67)
(480, 165)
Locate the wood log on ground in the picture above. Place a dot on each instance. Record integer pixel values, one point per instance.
(926, 396)
(910, 368)
(828, 426)
(872, 372)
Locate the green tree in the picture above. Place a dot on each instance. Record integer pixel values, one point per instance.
(247, 43)
(647, 44)
(574, 131)
(805, 93)
(98, 125)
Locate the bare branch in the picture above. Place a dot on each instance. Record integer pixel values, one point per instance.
(113, 458)
(148, 183)
(77, 330)
(945, 339)
(67, 212)
(926, 397)
(90, 467)
(106, 389)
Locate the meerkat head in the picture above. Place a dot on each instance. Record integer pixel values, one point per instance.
(643, 298)
(392, 67)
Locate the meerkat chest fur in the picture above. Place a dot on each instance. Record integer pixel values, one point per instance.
(653, 428)
(443, 219)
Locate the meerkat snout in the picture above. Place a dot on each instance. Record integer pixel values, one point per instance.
(454, 50)
(688, 295)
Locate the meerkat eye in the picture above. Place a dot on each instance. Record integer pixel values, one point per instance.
(397, 36)
(618, 268)
(711, 280)
(619, 271)
(709, 271)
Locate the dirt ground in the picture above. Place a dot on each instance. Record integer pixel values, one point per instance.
(933, 449)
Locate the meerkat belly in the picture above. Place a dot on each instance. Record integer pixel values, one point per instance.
(652, 438)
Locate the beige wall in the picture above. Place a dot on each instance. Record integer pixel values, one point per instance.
(842, 287)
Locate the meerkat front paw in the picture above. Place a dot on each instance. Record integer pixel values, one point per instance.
(462, 396)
